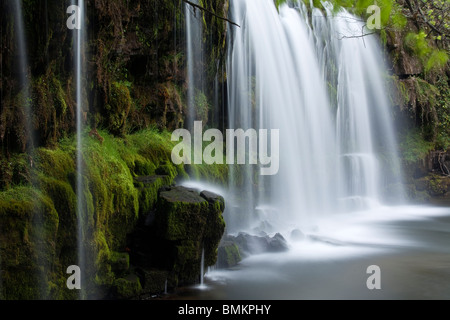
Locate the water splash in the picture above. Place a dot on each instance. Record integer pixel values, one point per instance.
(202, 268)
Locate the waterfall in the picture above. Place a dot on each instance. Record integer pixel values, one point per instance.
(364, 128)
(279, 71)
(25, 100)
(23, 71)
(194, 58)
(81, 214)
(202, 267)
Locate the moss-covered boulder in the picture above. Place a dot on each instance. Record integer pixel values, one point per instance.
(120, 262)
(153, 280)
(189, 223)
(28, 234)
(129, 287)
(228, 255)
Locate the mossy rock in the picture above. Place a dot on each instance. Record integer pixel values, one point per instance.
(28, 234)
(229, 255)
(181, 214)
(153, 280)
(215, 226)
(438, 186)
(120, 262)
(129, 287)
(189, 223)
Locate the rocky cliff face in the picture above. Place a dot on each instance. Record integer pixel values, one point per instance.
(135, 80)
(135, 60)
(420, 96)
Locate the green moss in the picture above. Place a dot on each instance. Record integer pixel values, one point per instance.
(28, 233)
(201, 106)
(153, 281)
(117, 108)
(228, 255)
(148, 193)
(437, 186)
(397, 91)
(57, 163)
(432, 58)
(103, 275)
(120, 262)
(181, 215)
(113, 196)
(191, 223)
(127, 288)
(15, 171)
(414, 147)
(50, 105)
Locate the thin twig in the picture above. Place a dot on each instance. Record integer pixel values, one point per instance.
(210, 12)
(360, 36)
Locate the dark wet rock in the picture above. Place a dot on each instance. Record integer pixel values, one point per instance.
(120, 262)
(185, 224)
(297, 235)
(251, 244)
(228, 255)
(214, 199)
(128, 287)
(152, 280)
(277, 243)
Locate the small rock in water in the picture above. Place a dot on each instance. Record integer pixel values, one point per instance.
(277, 243)
(297, 235)
(264, 228)
(250, 244)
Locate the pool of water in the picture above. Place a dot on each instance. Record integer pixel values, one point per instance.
(411, 245)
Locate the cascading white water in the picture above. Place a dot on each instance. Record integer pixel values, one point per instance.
(79, 50)
(278, 68)
(202, 267)
(194, 58)
(23, 70)
(364, 128)
(25, 101)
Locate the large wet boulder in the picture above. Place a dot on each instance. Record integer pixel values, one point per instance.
(228, 255)
(188, 223)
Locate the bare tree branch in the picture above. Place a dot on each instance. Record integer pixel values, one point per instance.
(358, 36)
(210, 12)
